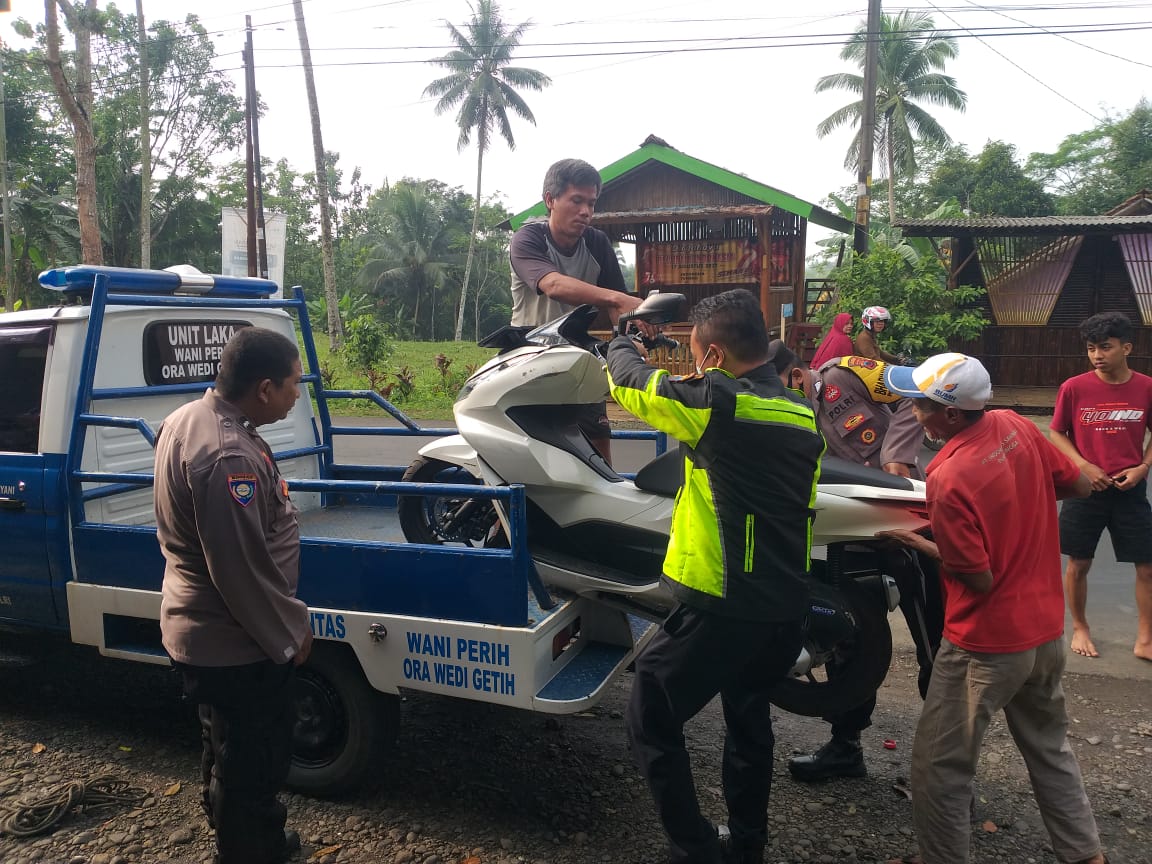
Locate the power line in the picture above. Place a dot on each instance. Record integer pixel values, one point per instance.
(1062, 36)
(1025, 71)
(111, 83)
(1024, 30)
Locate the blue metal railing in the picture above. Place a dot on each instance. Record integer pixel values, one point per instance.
(233, 293)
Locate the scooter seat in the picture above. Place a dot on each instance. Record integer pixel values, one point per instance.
(664, 475)
(836, 471)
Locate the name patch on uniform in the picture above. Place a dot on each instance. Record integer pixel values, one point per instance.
(242, 487)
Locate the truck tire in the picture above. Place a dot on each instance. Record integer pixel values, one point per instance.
(430, 520)
(862, 664)
(343, 727)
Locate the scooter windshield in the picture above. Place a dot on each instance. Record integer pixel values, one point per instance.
(570, 329)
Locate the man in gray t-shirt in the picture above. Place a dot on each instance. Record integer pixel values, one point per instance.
(562, 262)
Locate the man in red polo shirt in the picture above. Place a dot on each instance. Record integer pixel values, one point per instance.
(992, 494)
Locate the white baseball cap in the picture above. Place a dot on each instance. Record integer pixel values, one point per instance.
(950, 379)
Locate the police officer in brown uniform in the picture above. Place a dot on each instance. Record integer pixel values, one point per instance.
(864, 421)
(229, 618)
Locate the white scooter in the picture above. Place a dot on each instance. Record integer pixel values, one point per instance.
(598, 534)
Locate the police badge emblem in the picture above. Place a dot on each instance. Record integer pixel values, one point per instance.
(242, 487)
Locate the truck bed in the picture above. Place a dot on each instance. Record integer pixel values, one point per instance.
(352, 522)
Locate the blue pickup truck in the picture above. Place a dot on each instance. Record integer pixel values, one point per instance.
(85, 384)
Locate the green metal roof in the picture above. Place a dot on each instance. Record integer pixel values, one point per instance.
(653, 152)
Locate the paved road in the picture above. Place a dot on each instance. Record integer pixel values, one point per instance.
(1111, 602)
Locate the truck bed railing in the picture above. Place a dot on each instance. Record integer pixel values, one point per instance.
(104, 282)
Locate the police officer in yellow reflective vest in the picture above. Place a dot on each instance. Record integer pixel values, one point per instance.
(739, 550)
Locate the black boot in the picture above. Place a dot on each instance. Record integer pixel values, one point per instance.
(840, 757)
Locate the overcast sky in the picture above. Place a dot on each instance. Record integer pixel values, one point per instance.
(746, 103)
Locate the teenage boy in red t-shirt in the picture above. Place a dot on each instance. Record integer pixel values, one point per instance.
(992, 494)
(1099, 423)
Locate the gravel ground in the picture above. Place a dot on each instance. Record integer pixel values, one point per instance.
(484, 785)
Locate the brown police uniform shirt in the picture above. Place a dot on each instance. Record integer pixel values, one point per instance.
(230, 540)
(858, 424)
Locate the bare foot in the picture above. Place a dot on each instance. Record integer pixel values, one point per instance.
(1143, 650)
(1082, 644)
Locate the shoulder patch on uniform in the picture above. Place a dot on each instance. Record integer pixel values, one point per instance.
(831, 393)
(242, 488)
(868, 436)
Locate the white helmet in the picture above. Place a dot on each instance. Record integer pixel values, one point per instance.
(874, 313)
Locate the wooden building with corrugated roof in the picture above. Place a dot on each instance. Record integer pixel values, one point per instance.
(1043, 276)
(700, 229)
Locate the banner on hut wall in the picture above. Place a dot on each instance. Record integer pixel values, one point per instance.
(712, 262)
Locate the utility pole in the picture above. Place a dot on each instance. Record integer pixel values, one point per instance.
(250, 175)
(145, 145)
(867, 131)
(9, 284)
(327, 254)
(257, 168)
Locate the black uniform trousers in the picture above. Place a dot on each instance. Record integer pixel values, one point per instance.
(922, 604)
(696, 655)
(246, 720)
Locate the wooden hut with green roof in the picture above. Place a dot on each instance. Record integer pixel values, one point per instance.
(700, 229)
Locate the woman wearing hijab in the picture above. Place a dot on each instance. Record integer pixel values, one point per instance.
(837, 342)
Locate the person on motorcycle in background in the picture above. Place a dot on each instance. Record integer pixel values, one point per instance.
(874, 319)
(865, 422)
(737, 560)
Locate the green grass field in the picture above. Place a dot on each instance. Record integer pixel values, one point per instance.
(432, 394)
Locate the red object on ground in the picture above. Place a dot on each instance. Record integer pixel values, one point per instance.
(889, 744)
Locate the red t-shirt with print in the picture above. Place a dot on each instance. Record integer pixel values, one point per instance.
(992, 505)
(1105, 421)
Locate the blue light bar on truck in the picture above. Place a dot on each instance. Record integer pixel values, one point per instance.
(82, 279)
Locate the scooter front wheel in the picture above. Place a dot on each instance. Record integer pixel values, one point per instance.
(437, 520)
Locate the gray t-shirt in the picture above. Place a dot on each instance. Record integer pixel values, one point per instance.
(533, 256)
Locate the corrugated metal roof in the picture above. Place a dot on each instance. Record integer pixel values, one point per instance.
(1007, 226)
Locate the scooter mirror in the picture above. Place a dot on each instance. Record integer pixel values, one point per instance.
(658, 308)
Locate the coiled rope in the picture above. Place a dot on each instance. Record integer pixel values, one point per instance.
(41, 815)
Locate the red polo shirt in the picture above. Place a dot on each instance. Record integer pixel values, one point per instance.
(992, 505)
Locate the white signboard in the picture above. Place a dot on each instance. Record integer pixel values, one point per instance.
(234, 243)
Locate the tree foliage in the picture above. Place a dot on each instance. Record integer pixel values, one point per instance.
(991, 183)
(911, 53)
(195, 116)
(1094, 170)
(926, 315)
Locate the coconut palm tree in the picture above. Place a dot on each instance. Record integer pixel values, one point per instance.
(484, 87)
(409, 259)
(911, 53)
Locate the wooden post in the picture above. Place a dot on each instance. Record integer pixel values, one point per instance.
(800, 304)
(764, 228)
